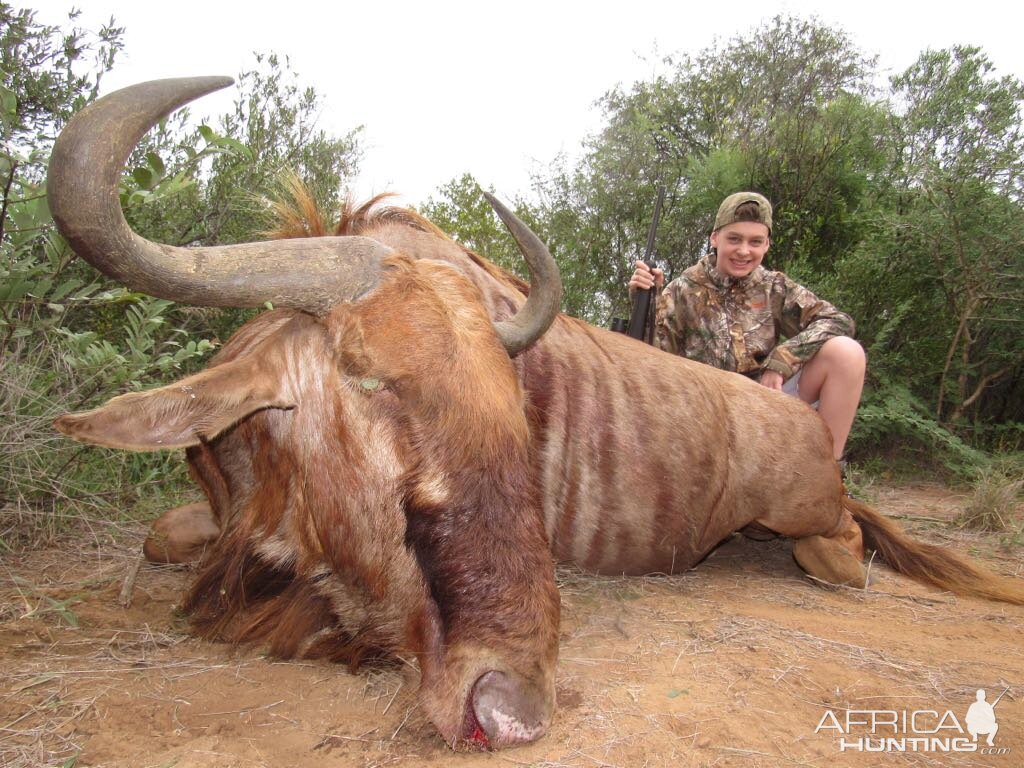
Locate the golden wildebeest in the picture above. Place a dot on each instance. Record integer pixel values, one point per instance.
(393, 455)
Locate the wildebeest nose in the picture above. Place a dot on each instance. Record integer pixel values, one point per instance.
(510, 711)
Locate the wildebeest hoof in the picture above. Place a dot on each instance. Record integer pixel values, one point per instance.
(829, 561)
(181, 535)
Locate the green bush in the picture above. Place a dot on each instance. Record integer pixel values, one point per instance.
(890, 416)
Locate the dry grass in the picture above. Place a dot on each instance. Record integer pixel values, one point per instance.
(730, 664)
(994, 503)
(51, 485)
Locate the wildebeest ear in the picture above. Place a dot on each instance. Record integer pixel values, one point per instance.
(185, 413)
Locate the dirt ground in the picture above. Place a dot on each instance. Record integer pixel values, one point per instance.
(736, 663)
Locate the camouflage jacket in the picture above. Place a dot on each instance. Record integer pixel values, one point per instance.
(736, 324)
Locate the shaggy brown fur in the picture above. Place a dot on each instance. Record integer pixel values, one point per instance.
(354, 464)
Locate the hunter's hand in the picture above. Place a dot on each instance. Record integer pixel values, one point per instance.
(772, 380)
(644, 278)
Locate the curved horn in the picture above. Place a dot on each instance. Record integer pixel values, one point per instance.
(541, 308)
(85, 167)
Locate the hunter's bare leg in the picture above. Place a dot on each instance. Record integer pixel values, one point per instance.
(835, 377)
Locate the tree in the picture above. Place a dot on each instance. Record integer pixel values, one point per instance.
(461, 211)
(276, 119)
(42, 79)
(68, 336)
(785, 110)
(41, 85)
(793, 103)
(270, 134)
(958, 155)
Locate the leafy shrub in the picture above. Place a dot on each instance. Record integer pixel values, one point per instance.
(47, 368)
(890, 417)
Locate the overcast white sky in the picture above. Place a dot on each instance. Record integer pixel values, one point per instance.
(495, 89)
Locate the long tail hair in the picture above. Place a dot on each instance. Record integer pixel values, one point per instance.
(928, 563)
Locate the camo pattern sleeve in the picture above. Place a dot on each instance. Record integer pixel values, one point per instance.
(806, 321)
(667, 334)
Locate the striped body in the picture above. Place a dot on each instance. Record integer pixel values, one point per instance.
(645, 460)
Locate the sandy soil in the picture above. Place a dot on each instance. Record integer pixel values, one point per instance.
(733, 664)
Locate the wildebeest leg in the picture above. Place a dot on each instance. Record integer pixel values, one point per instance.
(182, 534)
(836, 559)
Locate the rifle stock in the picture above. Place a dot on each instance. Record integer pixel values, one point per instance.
(641, 320)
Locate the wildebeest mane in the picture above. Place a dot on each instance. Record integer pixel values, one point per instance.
(296, 213)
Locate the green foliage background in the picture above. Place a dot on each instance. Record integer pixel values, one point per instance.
(901, 203)
(69, 338)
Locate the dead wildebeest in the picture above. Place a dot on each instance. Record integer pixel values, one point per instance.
(392, 456)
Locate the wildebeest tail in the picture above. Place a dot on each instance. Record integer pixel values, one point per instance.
(928, 563)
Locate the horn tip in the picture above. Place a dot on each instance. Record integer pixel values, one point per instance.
(499, 208)
(496, 204)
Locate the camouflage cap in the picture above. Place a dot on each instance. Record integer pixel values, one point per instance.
(727, 210)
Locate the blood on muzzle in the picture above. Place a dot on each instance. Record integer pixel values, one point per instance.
(510, 711)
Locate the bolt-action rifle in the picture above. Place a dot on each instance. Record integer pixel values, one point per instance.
(641, 319)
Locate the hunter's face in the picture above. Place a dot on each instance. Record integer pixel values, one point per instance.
(741, 247)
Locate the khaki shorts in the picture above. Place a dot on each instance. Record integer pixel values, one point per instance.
(791, 386)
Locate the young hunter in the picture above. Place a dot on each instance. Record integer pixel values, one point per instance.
(730, 312)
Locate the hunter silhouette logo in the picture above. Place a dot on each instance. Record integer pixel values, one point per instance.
(981, 717)
(921, 730)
